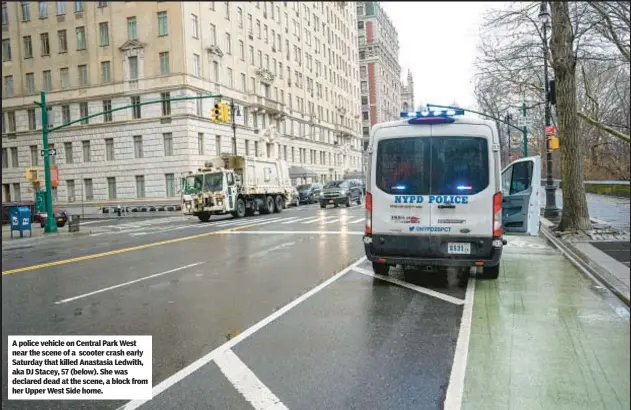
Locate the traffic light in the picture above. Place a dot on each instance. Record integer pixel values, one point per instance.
(217, 113)
(226, 113)
(552, 143)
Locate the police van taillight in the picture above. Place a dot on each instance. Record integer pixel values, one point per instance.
(368, 230)
(497, 215)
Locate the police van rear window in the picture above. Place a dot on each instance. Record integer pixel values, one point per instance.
(432, 165)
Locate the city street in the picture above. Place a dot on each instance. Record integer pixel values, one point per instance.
(283, 310)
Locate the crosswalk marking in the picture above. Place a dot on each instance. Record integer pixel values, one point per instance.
(322, 218)
(333, 221)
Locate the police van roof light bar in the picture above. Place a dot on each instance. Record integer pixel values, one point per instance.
(433, 116)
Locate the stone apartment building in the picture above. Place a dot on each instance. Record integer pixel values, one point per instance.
(291, 67)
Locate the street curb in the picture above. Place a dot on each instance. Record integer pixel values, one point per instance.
(30, 242)
(145, 215)
(582, 263)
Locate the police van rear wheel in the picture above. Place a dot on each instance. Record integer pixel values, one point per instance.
(491, 272)
(381, 268)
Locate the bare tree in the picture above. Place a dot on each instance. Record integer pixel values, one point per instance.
(575, 214)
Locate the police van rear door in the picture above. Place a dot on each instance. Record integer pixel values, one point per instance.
(462, 182)
(400, 180)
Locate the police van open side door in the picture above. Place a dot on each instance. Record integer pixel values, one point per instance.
(521, 188)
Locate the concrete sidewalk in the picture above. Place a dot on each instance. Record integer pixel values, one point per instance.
(36, 236)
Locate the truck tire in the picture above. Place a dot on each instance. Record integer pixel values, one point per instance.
(279, 204)
(348, 201)
(268, 205)
(239, 209)
(204, 216)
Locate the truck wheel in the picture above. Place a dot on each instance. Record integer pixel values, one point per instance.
(491, 272)
(322, 205)
(268, 205)
(348, 201)
(359, 199)
(204, 216)
(239, 211)
(381, 268)
(279, 203)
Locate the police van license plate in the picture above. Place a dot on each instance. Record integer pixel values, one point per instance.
(459, 248)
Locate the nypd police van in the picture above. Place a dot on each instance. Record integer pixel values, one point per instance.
(436, 196)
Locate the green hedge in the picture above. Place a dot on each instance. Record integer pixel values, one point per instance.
(612, 190)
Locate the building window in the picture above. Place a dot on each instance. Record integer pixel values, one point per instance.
(16, 192)
(132, 29)
(218, 145)
(68, 152)
(85, 145)
(78, 6)
(196, 65)
(135, 101)
(213, 35)
(83, 75)
(227, 8)
(199, 105)
(194, 26)
(5, 13)
(71, 190)
(8, 86)
(140, 186)
(61, 8)
(200, 143)
(84, 112)
(14, 158)
(34, 155)
(65, 78)
(133, 68)
(28, 47)
(168, 144)
(45, 44)
(164, 63)
(106, 72)
(102, 4)
(47, 80)
(138, 151)
(251, 55)
(89, 192)
(229, 77)
(239, 17)
(6, 50)
(111, 187)
(243, 83)
(63, 41)
(30, 83)
(109, 149)
(25, 7)
(365, 115)
(228, 44)
(80, 31)
(170, 184)
(166, 104)
(163, 24)
(104, 34)
(32, 122)
(107, 106)
(65, 114)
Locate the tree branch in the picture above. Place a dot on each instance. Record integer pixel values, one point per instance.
(604, 128)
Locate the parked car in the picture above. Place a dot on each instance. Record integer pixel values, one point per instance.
(294, 199)
(60, 216)
(309, 193)
(341, 192)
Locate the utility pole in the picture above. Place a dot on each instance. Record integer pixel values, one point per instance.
(524, 132)
(234, 127)
(51, 223)
(551, 210)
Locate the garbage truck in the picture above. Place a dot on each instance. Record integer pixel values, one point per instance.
(237, 185)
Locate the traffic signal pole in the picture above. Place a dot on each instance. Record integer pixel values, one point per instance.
(51, 224)
(234, 127)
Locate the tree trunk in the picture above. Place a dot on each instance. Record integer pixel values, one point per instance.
(575, 215)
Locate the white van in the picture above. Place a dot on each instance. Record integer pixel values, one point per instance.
(435, 196)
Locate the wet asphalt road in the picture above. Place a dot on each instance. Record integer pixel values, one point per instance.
(358, 343)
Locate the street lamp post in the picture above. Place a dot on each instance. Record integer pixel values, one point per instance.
(234, 111)
(551, 210)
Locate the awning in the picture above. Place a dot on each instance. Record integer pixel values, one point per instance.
(300, 172)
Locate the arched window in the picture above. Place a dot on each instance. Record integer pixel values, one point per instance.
(405, 107)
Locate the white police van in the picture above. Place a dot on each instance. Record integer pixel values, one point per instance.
(436, 198)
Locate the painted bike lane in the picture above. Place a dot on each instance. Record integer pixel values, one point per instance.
(543, 336)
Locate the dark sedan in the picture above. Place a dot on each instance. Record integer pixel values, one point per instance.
(309, 193)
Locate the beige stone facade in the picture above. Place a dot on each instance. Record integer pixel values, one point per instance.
(291, 67)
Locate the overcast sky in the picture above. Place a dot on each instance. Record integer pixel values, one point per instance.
(438, 43)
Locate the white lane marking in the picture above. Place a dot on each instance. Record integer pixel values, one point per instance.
(246, 382)
(85, 295)
(455, 391)
(191, 368)
(236, 221)
(92, 222)
(411, 286)
(294, 232)
(288, 220)
(139, 233)
(333, 221)
(275, 248)
(322, 218)
(357, 221)
(311, 219)
(301, 219)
